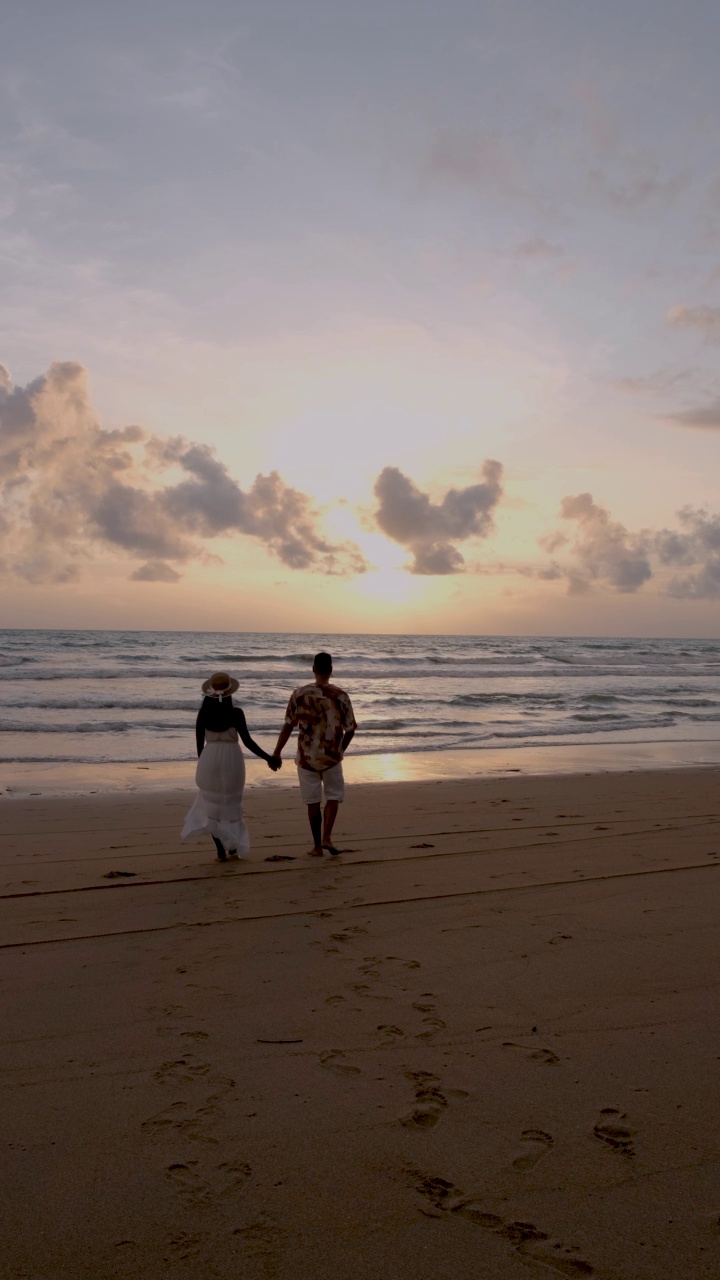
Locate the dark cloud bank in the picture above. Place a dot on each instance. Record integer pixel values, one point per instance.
(603, 552)
(430, 530)
(68, 487)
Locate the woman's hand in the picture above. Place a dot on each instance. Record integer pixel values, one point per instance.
(274, 763)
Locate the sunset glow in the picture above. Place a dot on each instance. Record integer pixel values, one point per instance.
(271, 309)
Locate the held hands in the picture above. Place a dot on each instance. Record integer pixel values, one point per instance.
(274, 763)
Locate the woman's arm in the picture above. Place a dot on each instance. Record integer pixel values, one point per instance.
(200, 731)
(288, 726)
(247, 741)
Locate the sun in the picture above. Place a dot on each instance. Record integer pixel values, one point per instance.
(387, 578)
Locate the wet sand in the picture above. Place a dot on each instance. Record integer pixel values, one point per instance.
(66, 778)
(481, 1043)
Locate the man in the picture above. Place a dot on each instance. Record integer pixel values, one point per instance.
(326, 725)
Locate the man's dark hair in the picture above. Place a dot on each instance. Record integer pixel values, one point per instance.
(322, 664)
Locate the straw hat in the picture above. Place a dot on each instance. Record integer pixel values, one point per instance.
(220, 685)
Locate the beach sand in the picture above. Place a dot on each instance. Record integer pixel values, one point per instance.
(482, 1043)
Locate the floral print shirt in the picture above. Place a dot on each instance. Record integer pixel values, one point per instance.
(323, 715)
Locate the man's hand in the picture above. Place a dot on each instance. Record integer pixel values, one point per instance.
(274, 763)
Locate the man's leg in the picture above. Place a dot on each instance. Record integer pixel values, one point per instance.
(311, 795)
(331, 808)
(315, 818)
(334, 788)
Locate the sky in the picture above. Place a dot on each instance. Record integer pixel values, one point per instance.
(393, 317)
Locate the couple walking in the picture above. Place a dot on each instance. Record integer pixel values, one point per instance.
(323, 716)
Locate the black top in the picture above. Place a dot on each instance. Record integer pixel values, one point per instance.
(217, 717)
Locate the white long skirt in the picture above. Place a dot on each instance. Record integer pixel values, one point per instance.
(217, 809)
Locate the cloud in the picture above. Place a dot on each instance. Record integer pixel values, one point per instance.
(437, 558)
(156, 571)
(605, 552)
(697, 548)
(639, 185)
(705, 416)
(476, 159)
(551, 541)
(546, 573)
(706, 320)
(69, 488)
(664, 381)
(650, 384)
(538, 250)
(708, 236)
(211, 503)
(429, 530)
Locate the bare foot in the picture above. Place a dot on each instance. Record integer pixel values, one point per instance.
(315, 853)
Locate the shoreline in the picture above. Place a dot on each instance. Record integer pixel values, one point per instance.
(21, 779)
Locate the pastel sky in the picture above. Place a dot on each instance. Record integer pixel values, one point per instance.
(394, 316)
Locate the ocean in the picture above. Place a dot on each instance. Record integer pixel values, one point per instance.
(130, 697)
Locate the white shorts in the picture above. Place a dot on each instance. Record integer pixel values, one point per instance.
(330, 781)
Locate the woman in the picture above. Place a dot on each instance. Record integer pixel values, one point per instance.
(220, 773)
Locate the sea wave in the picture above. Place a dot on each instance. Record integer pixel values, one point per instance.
(133, 696)
(266, 657)
(195, 672)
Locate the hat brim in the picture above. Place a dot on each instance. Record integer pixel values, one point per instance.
(232, 687)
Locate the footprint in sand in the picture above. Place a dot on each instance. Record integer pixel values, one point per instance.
(393, 1033)
(610, 1130)
(233, 1176)
(557, 1256)
(332, 1059)
(432, 1027)
(184, 1178)
(526, 1239)
(182, 1071)
(431, 1022)
(170, 1118)
(193, 1123)
(430, 1101)
(185, 1245)
(225, 1180)
(536, 1144)
(534, 1052)
(349, 931)
(363, 990)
